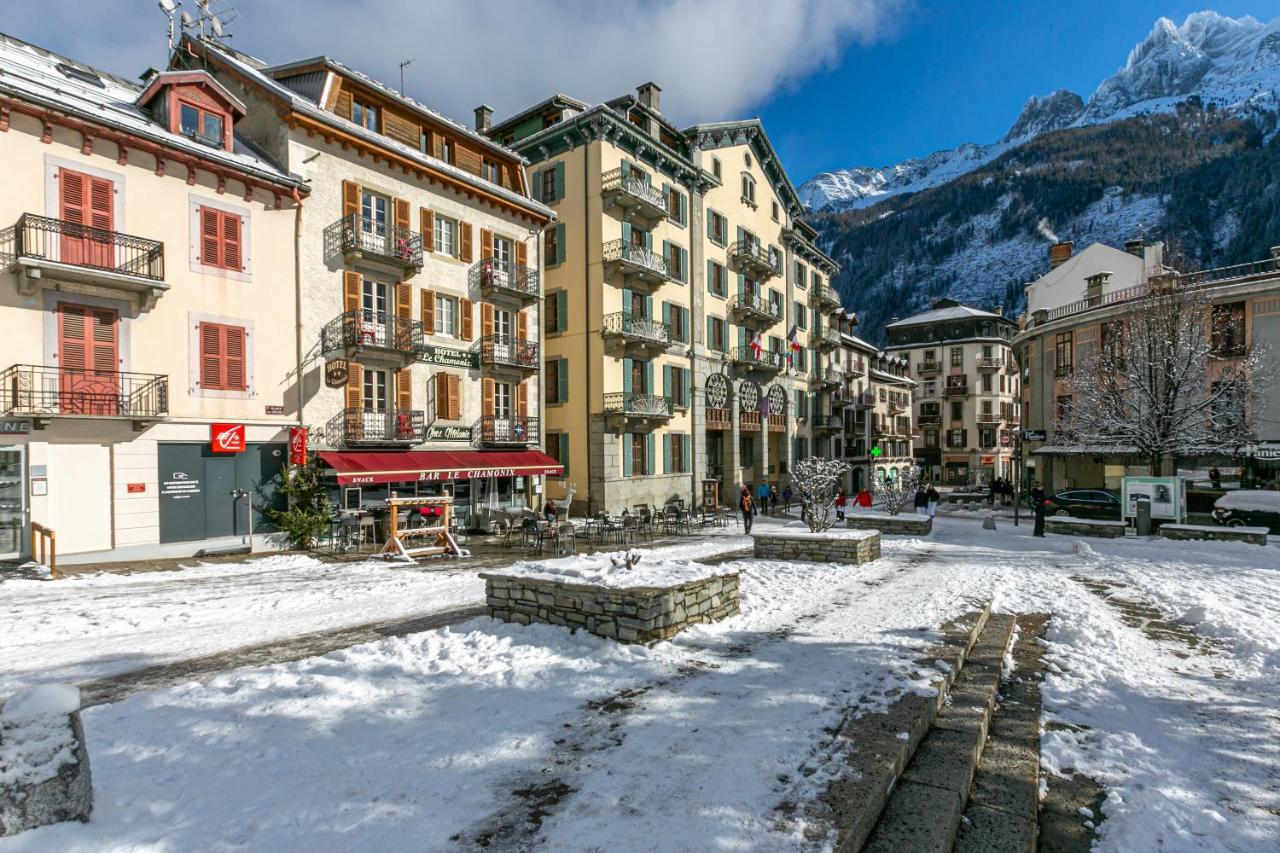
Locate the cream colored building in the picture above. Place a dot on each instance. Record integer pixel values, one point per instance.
(968, 392)
(146, 294)
(674, 252)
(420, 265)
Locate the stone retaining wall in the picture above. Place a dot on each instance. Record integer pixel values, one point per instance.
(902, 525)
(630, 615)
(1252, 535)
(837, 547)
(1081, 527)
(46, 767)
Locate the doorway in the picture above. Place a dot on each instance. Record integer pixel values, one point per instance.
(13, 501)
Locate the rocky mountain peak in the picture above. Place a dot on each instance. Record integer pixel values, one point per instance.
(1040, 115)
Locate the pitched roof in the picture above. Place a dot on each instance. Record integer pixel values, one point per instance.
(946, 309)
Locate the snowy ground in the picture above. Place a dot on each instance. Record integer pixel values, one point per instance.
(438, 740)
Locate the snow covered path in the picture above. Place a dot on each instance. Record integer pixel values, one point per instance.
(528, 736)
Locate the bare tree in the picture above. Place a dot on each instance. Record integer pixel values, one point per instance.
(1173, 375)
(895, 491)
(816, 482)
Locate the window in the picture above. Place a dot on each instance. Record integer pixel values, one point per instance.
(679, 457)
(1113, 344)
(715, 167)
(801, 315)
(424, 141)
(931, 357)
(1062, 354)
(775, 259)
(446, 315)
(223, 362)
(746, 450)
(748, 190)
(502, 251)
(957, 410)
(1062, 413)
(798, 275)
(775, 303)
(817, 281)
(373, 391)
(557, 447)
(678, 320)
(502, 400)
(931, 438)
(675, 262)
(639, 453)
(201, 125)
(676, 206)
(556, 312)
(955, 438)
(446, 236)
(447, 150)
(1227, 334)
(491, 171)
(448, 396)
(775, 211)
(551, 247)
(986, 438)
(746, 158)
(678, 392)
(717, 334)
(717, 228)
(364, 114)
(557, 380)
(548, 185)
(957, 356)
(374, 213)
(220, 239)
(717, 279)
(986, 383)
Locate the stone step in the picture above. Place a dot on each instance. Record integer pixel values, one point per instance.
(878, 746)
(1004, 804)
(924, 810)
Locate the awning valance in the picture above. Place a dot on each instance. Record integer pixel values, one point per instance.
(359, 469)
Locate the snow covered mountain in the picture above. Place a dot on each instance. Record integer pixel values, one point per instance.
(1231, 64)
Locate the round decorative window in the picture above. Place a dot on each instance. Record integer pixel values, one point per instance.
(748, 396)
(717, 391)
(777, 400)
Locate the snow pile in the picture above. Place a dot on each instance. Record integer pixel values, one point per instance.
(60, 699)
(609, 570)
(1255, 500)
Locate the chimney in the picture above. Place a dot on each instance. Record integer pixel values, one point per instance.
(650, 95)
(1060, 253)
(998, 310)
(1135, 247)
(484, 117)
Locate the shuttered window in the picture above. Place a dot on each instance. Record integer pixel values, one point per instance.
(223, 364)
(221, 239)
(448, 396)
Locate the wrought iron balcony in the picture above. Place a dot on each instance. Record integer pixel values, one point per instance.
(828, 423)
(928, 368)
(989, 363)
(827, 338)
(358, 237)
(496, 277)
(990, 418)
(768, 360)
(895, 407)
(636, 264)
(855, 369)
(633, 405)
(493, 431)
(354, 427)
(957, 390)
(824, 295)
(371, 336)
(635, 197)
(865, 400)
(74, 251)
(754, 309)
(831, 376)
(929, 420)
(751, 259)
(44, 391)
(502, 351)
(633, 329)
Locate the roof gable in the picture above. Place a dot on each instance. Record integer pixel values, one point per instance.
(195, 77)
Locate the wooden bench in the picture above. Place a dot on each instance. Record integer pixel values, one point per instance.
(1099, 527)
(1252, 535)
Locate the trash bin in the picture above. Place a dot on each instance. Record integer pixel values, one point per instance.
(1142, 520)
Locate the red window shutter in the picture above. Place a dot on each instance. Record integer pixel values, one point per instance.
(210, 242)
(233, 361)
(231, 254)
(72, 196)
(211, 377)
(106, 355)
(72, 348)
(100, 207)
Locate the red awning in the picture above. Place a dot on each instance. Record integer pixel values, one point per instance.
(360, 469)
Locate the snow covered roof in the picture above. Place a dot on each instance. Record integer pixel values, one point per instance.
(883, 376)
(47, 79)
(858, 342)
(953, 311)
(1085, 450)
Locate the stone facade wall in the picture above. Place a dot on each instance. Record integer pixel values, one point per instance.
(1071, 527)
(902, 525)
(636, 615)
(1252, 535)
(817, 548)
(47, 768)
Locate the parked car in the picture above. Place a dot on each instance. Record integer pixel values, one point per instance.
(1249, 508)
(1083, 503)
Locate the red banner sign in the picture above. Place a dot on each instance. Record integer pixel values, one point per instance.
(226, 438)
(297, 445)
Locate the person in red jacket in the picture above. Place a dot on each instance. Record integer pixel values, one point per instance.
(842, 501)
(864, 499)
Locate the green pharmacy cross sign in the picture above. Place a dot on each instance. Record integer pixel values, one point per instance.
(876, 453)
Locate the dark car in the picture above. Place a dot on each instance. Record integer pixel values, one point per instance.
(1249, 508)
(1084, 503)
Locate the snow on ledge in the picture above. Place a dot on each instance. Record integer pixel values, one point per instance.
(1217, 528)
(803, 534)
(598, 570)
(61, 699)
(1090, 522)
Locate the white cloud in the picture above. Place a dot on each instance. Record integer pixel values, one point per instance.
(715, 59)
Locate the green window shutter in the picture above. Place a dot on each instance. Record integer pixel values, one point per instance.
(666, 253)
(559, 181)
(711, 276)
(648, 240)
(666, 382)
(626, 376)
(742, 336)
(535, 185)
(648, 307)
(626, 169)
(711, 218)
(666, 200)
(560, 247)
(741, 233)
(684, 386)
(742, 284)
(562, 310)
(564, 452)
(626, 234)
(684, 265)
(626, 454)
(648, 447)
(562, 380)
(711, 332)
(626, 302)
(688, 455)
(648, 377)
(684, 323)
(684, 209)
(666, 453)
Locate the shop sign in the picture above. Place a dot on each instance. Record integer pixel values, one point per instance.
(297, 445)
(448, 433)
(1268, 451)
(15, 426)
(988, 460)
(227, 438)
(136, 488)
(274, 410)
(1034, 435)
(39, 487)
(448, 357)
(179, 485)
(336, 373)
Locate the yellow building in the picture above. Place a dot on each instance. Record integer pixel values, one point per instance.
(687, 307)
(146, 286)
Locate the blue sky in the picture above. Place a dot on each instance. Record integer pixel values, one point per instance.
(960, 72)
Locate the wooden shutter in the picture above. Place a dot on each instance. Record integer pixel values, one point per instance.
(355, 383)
(562, 380)
(343, 104)
(350, 290)
(427, 221)
(440, 390)
(486, 320)
(234, 358)
(404, 389)
(464, 241)
(428, 312)
(74, 202)
(467, 312)
(522, 254)
(231, 254)
(401, 208)
(522, 326)
(211, 376)
(350, 197)
(454, 389)
(522, 400)
(404, 301)
(210, 238)
(486, 244)
(486, 397)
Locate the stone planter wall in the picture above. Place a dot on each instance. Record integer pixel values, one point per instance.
(901, 525)
(1085, 527)
(1252, 535)
(633, 615)
(46, 766)
(838, 547)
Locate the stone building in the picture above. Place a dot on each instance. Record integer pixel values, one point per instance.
(968, 391)
(687, 307)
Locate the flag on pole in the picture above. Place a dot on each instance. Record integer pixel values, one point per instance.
(764, 405)
(757, 346)
(793, 338)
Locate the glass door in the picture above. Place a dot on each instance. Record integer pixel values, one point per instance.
(13, 496)
(373, 314)
(373, 221)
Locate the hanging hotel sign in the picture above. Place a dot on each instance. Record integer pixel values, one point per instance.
(226, 438)
(449, 357)
(336, 373)
(448, 433)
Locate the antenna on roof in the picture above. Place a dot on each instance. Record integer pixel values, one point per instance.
(402, 65)
(169, 7)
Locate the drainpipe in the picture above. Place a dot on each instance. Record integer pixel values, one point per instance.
(586, 300)
(297, 296)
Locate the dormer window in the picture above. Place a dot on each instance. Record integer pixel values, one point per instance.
(492, 171)
(365, 115)
(201, 124)
(194, 105)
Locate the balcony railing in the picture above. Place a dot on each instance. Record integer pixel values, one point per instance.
(361, 330)
(637, 262)
(957, 390)
(754, 307)
(634, 328)
(633, 194)
(718, 419)
(990, 417)
(828, 422)
(371, 238)
(989, 363)
(766, 360)
(43, 390)
(831, 376)
(493, 431)
(865, 400)
(372, 426)
(824, 294)
(493, 275)
(855, 369)
(777, 423)
(927, 367)
(894, 407)
(61, 241)
(748, 256)
(637, 405)
(929, 420)
(827, 338)
(505, 351)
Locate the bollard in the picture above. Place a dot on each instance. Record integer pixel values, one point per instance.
(989, 523)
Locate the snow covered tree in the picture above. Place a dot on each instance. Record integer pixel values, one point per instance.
(894, 492)
(816, 482)
(1173, 375)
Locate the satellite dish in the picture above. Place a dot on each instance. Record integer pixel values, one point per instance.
(216, 25)
(187, 20)
(167, 5)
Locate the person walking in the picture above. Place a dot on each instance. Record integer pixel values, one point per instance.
(994, 490)
(787, 495)
(842, 501)
(745, 506)
(1038, 504)
(762, 498)
(921, 501)
(773, 500)
(933, 496)
(864, 499)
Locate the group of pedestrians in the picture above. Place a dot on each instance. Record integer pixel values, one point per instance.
(926, 500)
(765, 499)
(1001, 492)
